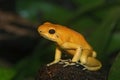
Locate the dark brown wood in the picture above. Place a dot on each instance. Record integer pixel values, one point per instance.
(71, 72)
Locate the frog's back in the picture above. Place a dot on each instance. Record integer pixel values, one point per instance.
(72, 36)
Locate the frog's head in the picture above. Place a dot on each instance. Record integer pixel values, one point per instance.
(49, 31)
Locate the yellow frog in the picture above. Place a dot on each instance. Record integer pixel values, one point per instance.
(72, 42)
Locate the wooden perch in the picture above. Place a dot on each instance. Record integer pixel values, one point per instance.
(71, 72)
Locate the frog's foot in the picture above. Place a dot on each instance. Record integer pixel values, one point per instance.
(84, 68)
(54, 62)
(65, 61)
(70, 64)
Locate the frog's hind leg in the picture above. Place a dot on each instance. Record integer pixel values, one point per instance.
(84, 56)
(92, 64)
(94, 54)
(89, 61)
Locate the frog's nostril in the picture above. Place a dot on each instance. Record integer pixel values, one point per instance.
(40, 31)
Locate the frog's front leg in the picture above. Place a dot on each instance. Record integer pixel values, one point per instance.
(57, 57)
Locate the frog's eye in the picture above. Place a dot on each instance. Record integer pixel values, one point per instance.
(51, 31)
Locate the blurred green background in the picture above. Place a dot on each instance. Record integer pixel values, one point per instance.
(23, 51)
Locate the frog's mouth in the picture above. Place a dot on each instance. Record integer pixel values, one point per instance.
(46, 37)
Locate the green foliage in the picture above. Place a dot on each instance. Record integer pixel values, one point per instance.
(114, 43)
(6, 73)
(48, 11)
(115, 70)
(98, 20)
(103, 34)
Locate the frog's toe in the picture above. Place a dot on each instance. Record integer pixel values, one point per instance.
(70, 64)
